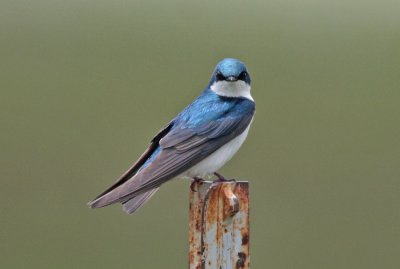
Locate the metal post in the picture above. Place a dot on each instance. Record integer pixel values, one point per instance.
(219, 226)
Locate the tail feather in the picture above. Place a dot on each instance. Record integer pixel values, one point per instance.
(119, 195)
(130, 204)
(133, 204)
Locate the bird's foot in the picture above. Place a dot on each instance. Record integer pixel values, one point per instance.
(221, 178)
(195, 181)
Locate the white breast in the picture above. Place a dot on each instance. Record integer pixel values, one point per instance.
(217, 159)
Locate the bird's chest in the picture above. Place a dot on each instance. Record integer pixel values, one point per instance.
(219, 158)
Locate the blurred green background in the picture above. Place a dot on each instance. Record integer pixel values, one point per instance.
(85, 84)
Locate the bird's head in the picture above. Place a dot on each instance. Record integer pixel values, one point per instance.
(231, 79)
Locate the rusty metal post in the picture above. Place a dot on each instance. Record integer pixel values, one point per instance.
(219, 226)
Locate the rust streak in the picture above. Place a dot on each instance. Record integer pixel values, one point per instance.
(241, 262)
(231, 203)
(245, 239)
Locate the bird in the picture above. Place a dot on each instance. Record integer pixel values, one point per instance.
(201, 139)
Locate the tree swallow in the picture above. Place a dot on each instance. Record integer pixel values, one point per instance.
(195, 144)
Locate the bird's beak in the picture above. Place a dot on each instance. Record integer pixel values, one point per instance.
(231, 79)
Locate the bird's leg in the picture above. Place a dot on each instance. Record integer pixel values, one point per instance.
(221, 178)
(195, 180)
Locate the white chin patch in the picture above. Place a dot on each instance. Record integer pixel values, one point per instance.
(232, 89)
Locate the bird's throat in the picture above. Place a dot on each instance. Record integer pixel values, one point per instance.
(232, 89)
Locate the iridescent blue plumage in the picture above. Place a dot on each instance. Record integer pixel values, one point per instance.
(210, 106)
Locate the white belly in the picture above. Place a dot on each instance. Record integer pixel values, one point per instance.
(217, 159)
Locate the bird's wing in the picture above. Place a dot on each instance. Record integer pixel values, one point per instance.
(181, 148)
(139, 163)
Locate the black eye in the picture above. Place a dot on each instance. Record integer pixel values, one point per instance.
(220, 76)
(242, 75)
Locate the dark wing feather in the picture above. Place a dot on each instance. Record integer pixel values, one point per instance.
(138, 164)
(182, 148)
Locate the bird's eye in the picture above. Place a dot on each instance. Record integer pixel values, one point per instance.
(220, 76)
(242, 75)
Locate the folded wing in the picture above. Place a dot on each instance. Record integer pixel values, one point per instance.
(179, 148)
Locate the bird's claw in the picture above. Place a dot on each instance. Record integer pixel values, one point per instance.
(195, 181)
(221, 178)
